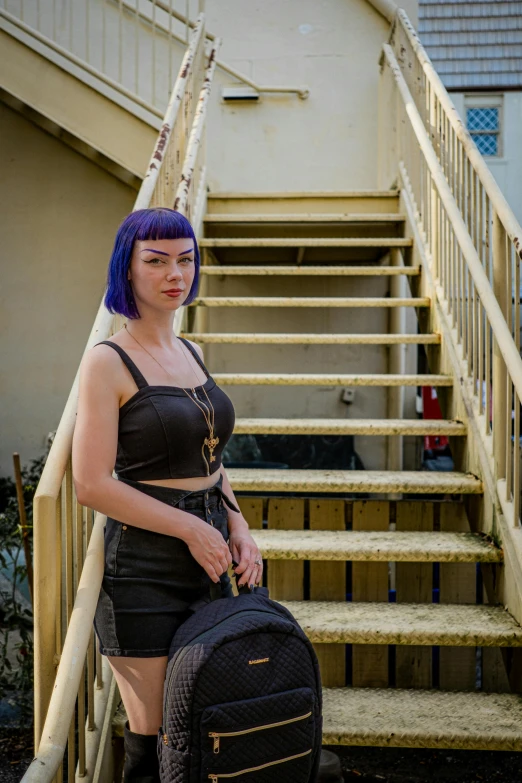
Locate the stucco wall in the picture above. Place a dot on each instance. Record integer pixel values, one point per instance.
(59, 213)
(282, 143)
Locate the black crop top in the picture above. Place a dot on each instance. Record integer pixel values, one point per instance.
(161, 431)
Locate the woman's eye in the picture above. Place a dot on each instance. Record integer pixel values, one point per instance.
(186, 259)
(154, 261)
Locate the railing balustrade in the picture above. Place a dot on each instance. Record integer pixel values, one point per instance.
(474, 239)
(131, 45)
(74, 704)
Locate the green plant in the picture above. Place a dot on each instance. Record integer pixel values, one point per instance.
(16, 620)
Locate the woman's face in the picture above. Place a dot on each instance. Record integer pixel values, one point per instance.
(161, 272)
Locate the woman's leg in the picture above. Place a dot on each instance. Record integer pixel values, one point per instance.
(140, 681)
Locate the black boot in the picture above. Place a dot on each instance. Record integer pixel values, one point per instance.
(141, 757)
(329, 768)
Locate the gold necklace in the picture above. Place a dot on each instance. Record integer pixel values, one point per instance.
(212, 441)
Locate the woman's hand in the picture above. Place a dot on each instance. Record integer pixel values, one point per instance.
(209, 548)
(245, 552)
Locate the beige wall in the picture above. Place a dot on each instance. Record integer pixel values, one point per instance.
(58, 216)
(327, 142)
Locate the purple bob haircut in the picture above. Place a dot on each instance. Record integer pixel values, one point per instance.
(156, 223)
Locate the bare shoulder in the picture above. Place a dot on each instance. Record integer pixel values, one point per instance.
(197, 347)
(103, 362)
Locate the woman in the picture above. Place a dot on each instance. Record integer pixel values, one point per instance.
(149, 410)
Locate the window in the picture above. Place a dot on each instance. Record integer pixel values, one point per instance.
(483, 118)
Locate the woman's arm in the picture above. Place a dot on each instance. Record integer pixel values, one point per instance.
(243, 547)
(94, 454)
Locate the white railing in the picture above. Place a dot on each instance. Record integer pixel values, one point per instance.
(74, 704)
(473, 238)
(132, 46)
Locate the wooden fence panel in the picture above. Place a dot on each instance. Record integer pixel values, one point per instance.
(457, 585)
(413, 584)
(285, 577)
(370, 583)
(328, 583)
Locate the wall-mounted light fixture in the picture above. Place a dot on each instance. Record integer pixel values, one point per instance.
(240, 93)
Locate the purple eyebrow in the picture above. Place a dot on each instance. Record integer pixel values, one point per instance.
(162, 252)
(151, 250)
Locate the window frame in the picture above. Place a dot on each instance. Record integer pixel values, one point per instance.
(487, 101)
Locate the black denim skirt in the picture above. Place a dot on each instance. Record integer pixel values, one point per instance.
(150, 579)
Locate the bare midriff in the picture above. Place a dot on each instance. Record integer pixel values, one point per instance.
(194, 482)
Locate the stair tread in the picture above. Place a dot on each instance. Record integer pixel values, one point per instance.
(302, 194)
(323, 379)
(305, 217)
(293, 337)
(309, 481)
(458, 625)
(311, 301)
(303, 270)
(351, 426)
(376, 546)
(422, 718)
(306, 242)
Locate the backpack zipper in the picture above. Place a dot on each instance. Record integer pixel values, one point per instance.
(184, 651)
(216, 778)
(216, 735)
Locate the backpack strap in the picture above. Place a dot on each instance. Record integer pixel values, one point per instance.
(195, 355)
(139, 380)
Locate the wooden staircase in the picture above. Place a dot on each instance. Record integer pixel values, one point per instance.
(381, 567)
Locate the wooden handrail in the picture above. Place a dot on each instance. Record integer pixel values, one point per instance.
(56, 695)
(502, 208)
(196, 134)
(498, 323)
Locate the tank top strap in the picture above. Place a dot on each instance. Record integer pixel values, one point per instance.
(140, 381)
(195, 355)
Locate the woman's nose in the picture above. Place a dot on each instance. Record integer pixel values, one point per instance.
(175, 274)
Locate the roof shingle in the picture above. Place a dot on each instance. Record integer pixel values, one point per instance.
(474, 45)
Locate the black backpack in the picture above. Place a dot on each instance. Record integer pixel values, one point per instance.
(242, 696)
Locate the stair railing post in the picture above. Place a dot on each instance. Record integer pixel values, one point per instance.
(500, 414)
(433, 238)
(396, 364)
(46, 605)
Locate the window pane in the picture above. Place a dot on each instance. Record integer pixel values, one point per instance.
(482, 119)
(487, 143)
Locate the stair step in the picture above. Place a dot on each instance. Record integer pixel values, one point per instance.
(422, 718)
(311, 301)
(309, 270)
(323, 379)
(306, 217)
(307, 242)
(310, 481)
(312, 339)
(319, 202)
(350, 427)
(376, 546)
(457, 625)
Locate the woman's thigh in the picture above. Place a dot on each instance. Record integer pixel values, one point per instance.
(140, 681)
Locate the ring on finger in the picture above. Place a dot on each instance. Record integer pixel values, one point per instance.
(258, 562)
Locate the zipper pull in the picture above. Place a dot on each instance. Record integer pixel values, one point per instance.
(165, 739)
(216, 742)
(213, 778)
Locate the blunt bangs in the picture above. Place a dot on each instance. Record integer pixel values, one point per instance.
(156, 223)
